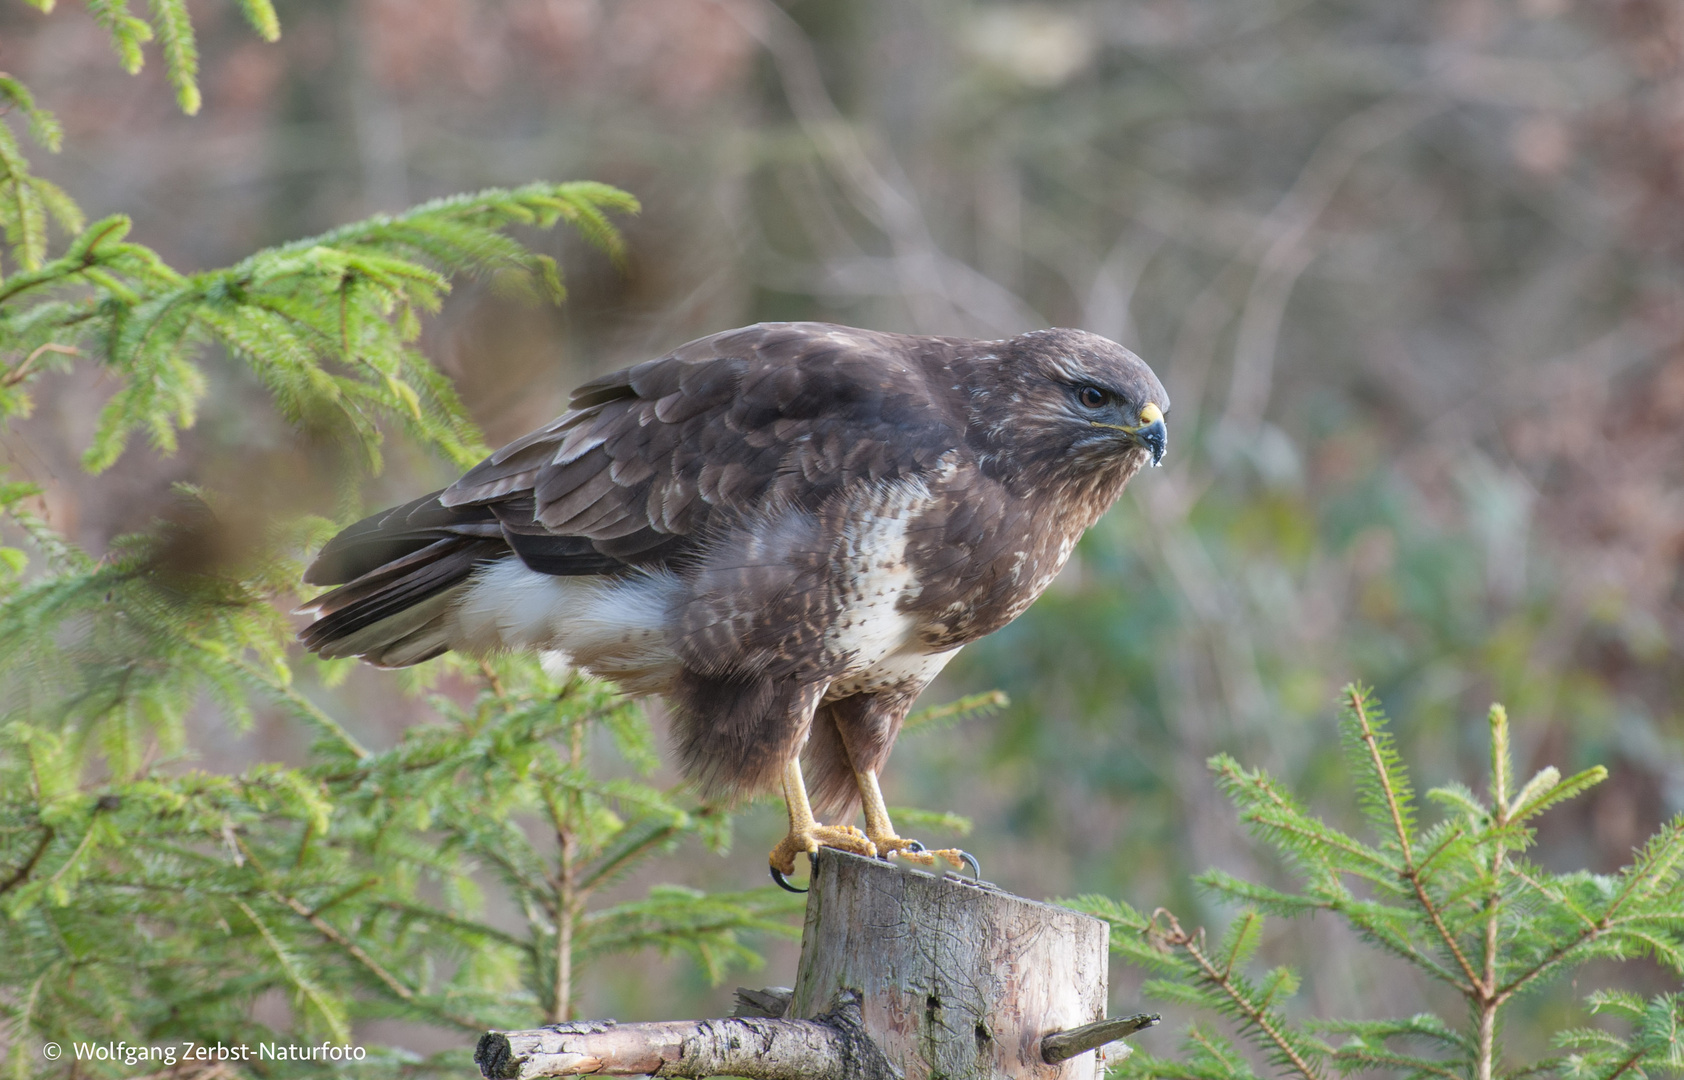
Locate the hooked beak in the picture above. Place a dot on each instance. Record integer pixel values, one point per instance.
(1150, 433)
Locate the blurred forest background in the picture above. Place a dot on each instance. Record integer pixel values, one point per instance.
(1411, 273)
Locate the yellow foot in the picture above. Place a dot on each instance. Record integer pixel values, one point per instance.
(913, 851)
(814, 837)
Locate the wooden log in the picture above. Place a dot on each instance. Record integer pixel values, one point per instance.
(957, 980)
(830, 1047)
(903, 974)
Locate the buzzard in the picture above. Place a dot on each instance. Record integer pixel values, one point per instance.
(785, 530)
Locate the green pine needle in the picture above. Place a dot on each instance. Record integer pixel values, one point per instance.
(1439, 895)
(261, 15)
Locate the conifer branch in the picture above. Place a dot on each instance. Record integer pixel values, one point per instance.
(21, 874)
(467, 926)
(75, 856)
(1552, 960)
(1402, 947)
(1312, 835)
(1288, 818)
(127, 32)
(1628, 1064)
(368, 963)
(1355, 701)
(491, 679)
(299, 978)
(303, 706)
(1588, 934)
(261, 15)
(181, 53)
(1444, 845)
(1371, 1058)
(605, 870)
(937, 717)
(1253, 1014)
(43, 125)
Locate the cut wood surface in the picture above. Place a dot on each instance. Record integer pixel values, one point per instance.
(903, 974)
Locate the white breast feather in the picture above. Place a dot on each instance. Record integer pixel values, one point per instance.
(874, 579)
(612, 628)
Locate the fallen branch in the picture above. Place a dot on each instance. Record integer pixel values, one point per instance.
(832, 1047)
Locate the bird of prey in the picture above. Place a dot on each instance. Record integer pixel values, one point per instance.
(785, 530)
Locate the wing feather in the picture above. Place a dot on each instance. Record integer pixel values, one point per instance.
(394, 534)
(780, 412)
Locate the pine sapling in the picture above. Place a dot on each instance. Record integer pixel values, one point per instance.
(1456, 900)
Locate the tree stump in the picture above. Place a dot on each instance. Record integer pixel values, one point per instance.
(956, 979)
(903, 973)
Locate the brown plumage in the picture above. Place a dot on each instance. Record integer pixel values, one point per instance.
(786, 530)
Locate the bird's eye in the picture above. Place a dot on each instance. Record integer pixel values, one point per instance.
(1091, 397)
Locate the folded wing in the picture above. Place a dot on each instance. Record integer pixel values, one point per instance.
(648, 465)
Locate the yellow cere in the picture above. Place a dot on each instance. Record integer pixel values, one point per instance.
(1150, 413)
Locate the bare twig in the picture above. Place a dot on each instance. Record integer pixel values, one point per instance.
(1285, 252)
(868, 176)
(491, 678)
(21, 372)
(1108, 308)
(569, 897)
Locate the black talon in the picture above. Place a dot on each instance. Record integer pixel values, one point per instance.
(783, 882)
(976, 867)
(912, 847)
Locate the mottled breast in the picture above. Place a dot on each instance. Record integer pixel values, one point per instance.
(982, 553)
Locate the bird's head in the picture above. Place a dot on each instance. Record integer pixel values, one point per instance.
(1068, 404)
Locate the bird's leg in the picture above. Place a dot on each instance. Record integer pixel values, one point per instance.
(806, 834)
(881, 832)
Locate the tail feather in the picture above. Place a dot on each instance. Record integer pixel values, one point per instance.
(386, 592)
(415, 633)
(430, 641)
(399, 573)
(390, 536)
(376, 581)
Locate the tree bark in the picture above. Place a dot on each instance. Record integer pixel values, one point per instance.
(903, 974)
(831, 1047)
